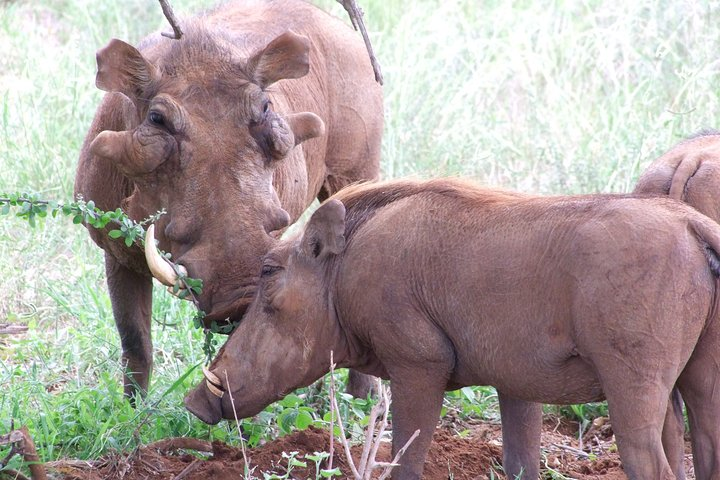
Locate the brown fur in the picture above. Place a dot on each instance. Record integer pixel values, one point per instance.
(222, 161)
(441, 284)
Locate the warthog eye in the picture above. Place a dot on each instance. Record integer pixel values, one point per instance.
(266, 106)
(269, 269)
(156, 118)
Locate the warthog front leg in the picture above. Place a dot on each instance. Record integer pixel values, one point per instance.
(131, 298)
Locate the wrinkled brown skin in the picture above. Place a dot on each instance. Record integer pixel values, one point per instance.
(556, 300)
(689, 172)
(226, 170)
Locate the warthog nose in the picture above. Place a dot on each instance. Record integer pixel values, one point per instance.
(204, 405)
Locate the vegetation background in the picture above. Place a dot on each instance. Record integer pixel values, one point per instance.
(545, 96)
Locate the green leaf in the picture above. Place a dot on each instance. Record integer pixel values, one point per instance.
(286, 419)
(115, 234)
(77, 219)
(303, 420)
(317, 456)
(5, 209)
(335, 472)
(128, 242)
(294, 462)
(290, 401)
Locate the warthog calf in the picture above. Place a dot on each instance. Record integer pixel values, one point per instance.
(436, 285)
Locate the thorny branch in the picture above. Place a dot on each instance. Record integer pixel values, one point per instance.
(170, 15)
(356, 17)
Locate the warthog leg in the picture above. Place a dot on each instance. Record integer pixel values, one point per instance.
(700, 387)
(131, 298)
(521, 426)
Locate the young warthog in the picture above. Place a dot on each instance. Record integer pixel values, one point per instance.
(436, 285)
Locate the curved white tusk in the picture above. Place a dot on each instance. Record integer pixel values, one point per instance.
(213, 383)
(159, 267)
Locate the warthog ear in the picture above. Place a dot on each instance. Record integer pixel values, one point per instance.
(287, 56)
(325, 232)
(122, 68)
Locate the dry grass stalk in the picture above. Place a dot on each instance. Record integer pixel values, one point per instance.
(372, 440)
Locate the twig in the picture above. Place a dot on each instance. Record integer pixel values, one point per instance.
(237, 423)
(12, 329)
(343, 439)
(168, 12)
(332, 412)
(372, 441)
(356, 17)
(385, 401)
(58, 464)
(369, 437)
(180, 443)
(577, 452)
(188, 470)
(400, 453)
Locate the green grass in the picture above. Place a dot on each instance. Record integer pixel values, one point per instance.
(540, 96)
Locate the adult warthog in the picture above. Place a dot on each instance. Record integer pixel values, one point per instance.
(436, 285)
(260, 108)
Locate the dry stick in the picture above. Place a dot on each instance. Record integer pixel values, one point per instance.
(356, 17)
(188, 470)
(344, 440)
(12, 329)
(579, 453)
(180, 443)
(369, 435)
(394, 463)
(168, 12)
(332, 411)
(58, 464)
(382, 397)
(237, 422)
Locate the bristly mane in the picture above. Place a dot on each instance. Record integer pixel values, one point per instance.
(363, 200)
(705, 132)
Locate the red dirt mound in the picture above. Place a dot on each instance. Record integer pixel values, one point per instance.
(476, 456)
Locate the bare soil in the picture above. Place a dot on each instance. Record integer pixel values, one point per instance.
(476, 454)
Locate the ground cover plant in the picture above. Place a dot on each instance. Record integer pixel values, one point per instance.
(546, 97)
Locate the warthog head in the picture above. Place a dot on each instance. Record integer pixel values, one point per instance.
(205, 136)
(285, 339)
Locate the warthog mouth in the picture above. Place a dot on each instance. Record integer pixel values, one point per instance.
(225, 313)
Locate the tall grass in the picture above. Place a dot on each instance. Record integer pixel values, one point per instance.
(542, 96)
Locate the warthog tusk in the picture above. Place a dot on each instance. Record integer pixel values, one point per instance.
(159, 267)
(213, 383)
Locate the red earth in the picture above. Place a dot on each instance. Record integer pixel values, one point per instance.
(476, 453)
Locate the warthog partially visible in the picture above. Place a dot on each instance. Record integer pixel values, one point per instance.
(261, 107)
(436, 285)
(689, 172)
